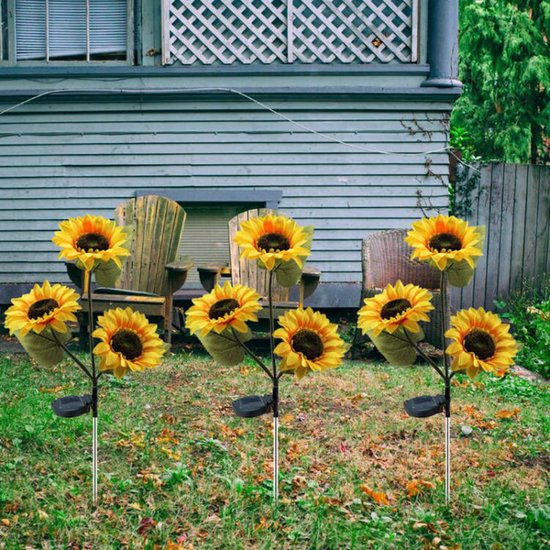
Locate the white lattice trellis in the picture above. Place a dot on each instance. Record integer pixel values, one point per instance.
(207, 32)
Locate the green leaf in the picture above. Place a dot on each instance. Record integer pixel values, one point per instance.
(223, 348)
(44, 352)
(394, 349)
(460, 274)
(107, 273)
(289, 273)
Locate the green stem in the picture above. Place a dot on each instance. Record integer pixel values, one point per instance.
(443, 290)
(418, 349)
(71, 355)
(271, 324)
(95, 377)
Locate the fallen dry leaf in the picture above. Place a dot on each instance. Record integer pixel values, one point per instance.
(506, 413)
(146, 525)
(415, 487)
(174, 455)
(136, 440)
(55, 389)
(377, 496)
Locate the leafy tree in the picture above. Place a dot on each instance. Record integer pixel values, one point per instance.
(505, 67)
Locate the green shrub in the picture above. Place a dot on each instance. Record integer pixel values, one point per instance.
(529, 314)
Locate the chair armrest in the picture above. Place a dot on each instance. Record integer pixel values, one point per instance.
(310, 280)
(123, 292)
(177, 273)
(182, 264)
(209, 275)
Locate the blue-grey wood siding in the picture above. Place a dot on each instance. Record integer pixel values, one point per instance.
(67, 159)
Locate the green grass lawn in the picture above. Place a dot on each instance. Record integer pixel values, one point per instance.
(179, 470)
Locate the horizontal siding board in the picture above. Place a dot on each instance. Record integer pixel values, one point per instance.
(222, 172)
(296, 107)
(317, 184)
(195, 160)
(324, 195)
(324, 215)
(103, 147)
(226, 127)
(315, 117)
(59, 160)
(121, 137)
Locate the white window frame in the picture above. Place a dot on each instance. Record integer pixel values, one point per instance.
(10, 57)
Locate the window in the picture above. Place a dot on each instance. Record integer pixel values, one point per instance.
(66, 30)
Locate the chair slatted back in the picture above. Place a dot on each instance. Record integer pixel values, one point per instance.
(246, 272)
(156, 225)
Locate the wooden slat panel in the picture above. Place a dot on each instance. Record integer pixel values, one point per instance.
(543, 222)
(507, 228)
(482, 219)
(520, 202)
(493, 263)
(156, 226)
(530, 235)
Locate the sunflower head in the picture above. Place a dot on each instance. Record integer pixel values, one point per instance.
(273, 239)
(444, 241)
(309, 342)
(46, 306)
(128, 342)
(481, 342)
(395, 307)
(91, 240)
(224, 307)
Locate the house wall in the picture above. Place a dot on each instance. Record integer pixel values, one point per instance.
(68, 156)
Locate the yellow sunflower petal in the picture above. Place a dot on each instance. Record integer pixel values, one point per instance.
(127, 342)
(223, 307)
(480, 341)
(444, 240)
(273, 239)
(90, 240)
(46, 306)
(309, 342)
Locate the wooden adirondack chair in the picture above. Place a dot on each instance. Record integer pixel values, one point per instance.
(246, 272)
(153, 272)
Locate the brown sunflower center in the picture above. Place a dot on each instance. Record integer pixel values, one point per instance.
(92, 242)
(394, 307)
(309, 343)
(445, 241)
(222, 307)
(273, 241)
(42, 307)
(480, 343)
(128, 343)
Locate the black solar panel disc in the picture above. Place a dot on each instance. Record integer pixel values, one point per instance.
(72, 405)
(252, 405)
(425, 405)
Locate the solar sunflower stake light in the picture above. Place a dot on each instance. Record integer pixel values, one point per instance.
(479, 340)
(127, 341)
(309, 342)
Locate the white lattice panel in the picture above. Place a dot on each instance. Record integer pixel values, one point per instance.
(207, 32)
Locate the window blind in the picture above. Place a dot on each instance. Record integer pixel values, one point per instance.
(70, 29)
